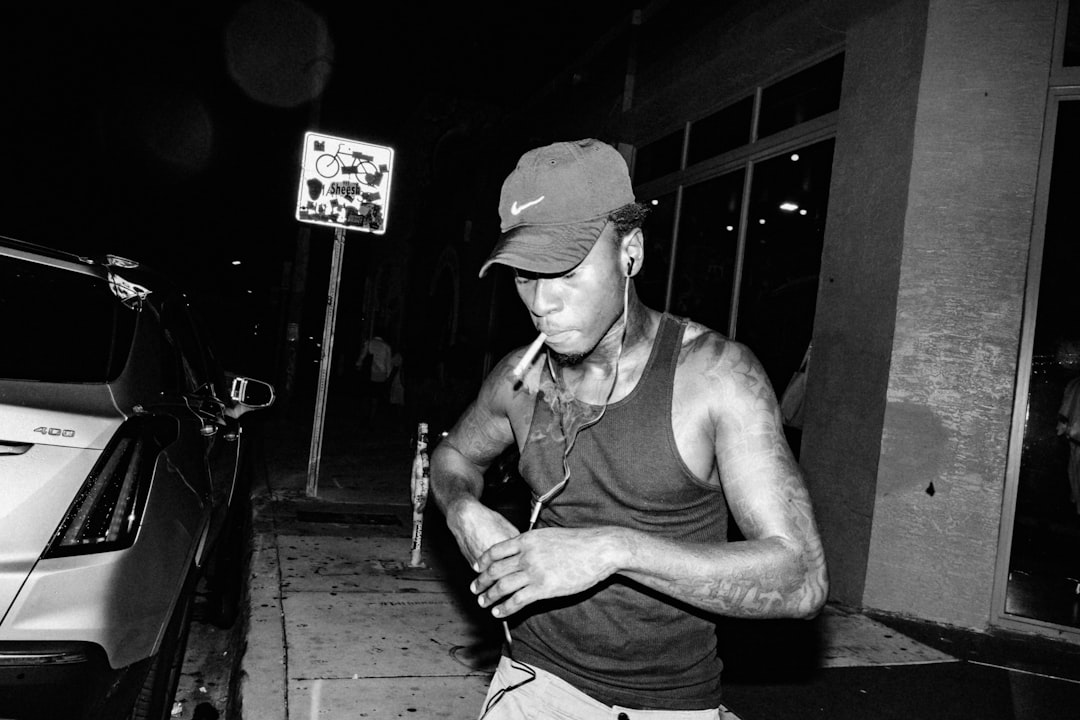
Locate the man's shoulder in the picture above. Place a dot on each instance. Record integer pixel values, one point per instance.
(503, 386)
(701, 343)
(708, 356)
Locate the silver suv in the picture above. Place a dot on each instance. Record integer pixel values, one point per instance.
(121, 483)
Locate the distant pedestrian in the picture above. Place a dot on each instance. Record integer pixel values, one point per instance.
(1068, 418)
(375, 364)
(396, 394)
(1068, 426)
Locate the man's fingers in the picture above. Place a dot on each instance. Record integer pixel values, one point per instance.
(490, 573)
(486, 536)
(498, 551)
(505, 596)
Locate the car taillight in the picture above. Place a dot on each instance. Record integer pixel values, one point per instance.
(106, 513)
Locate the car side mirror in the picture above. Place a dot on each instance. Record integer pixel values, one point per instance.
(251, 393)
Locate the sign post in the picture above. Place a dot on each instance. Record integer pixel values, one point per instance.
(344, 184)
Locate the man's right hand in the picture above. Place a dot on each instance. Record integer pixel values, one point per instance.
(477, 527)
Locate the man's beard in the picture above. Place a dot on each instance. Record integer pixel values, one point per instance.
(568, 359)
(572, 359)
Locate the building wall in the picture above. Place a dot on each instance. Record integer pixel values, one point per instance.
(860, 274)
(941, 475)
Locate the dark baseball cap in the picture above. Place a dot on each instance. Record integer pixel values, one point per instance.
(555, 204)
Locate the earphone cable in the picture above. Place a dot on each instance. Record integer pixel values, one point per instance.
(538, 502)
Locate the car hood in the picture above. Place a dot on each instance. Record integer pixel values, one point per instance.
(50, 437)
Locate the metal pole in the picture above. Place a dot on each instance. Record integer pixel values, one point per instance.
(315, 456)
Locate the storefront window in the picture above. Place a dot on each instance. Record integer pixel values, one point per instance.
(771, 266)
(803, 96)
(706, 253)
(659, 157)
(784, 238)
(1072, 36)
(1044, 567)
(720, 132)
(651, 283)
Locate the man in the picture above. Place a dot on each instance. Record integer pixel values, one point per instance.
(635, 428)
(375, 364)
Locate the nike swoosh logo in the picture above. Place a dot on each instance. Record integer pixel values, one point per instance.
(516, 209)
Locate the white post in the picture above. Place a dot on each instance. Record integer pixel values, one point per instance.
(421, 471)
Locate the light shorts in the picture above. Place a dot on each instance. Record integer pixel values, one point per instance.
(520, 691)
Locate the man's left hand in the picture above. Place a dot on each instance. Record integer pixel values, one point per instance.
(545, 563)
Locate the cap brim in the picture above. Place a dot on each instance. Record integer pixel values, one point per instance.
(546, 249)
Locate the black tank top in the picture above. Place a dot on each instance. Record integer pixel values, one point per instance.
(619, 641)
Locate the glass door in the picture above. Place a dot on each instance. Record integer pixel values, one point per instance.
(1040, 582)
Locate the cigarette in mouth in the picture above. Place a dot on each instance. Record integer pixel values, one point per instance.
(527, 358)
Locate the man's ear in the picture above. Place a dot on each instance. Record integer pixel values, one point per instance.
(633, 252)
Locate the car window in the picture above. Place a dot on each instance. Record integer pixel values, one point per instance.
(215, 370)
(189, 352)
(61, 325)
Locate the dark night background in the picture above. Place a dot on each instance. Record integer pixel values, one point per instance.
(171, 133)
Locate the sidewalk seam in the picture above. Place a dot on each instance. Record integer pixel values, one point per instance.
(265, 694)
(281, 614)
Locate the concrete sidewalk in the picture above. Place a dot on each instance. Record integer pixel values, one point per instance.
(341, 627)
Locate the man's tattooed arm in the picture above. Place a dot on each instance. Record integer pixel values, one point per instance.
(779, 570)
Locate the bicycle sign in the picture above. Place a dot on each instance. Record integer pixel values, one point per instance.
(344, 183)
